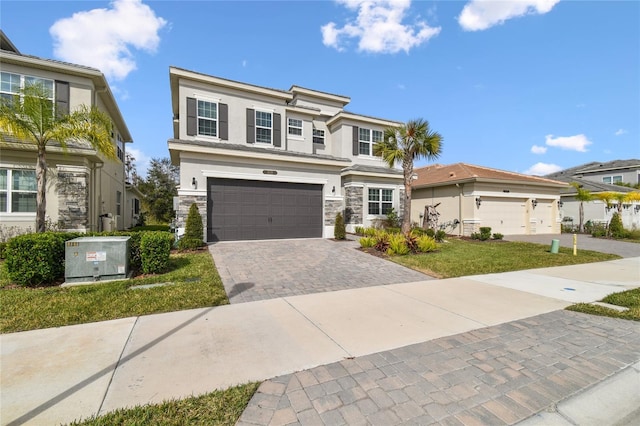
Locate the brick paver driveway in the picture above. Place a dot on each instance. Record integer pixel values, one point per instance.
(257, 270)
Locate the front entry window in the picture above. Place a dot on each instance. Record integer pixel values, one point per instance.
(380, 201)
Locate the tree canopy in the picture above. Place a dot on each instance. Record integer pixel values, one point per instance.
(158, 189)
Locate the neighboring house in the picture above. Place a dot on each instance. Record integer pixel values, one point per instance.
(598, 178)
(82, 185)
(265, 163)
(474, 197)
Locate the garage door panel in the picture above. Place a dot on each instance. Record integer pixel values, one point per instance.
(505, 216)
(248, 210)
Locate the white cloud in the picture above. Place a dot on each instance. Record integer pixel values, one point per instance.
(620, 132)
(378, 27)
(401, 86)
(103, 38)
(244, 63)
(541, 169)
(142, 160)
(482, 14)
(569, 143)
(538, 149)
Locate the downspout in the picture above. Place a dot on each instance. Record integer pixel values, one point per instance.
(461, 186)
(97, 195)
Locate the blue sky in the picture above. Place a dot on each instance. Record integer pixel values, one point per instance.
(530, 86)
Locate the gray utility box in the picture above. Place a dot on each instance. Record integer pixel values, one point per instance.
(89, 259)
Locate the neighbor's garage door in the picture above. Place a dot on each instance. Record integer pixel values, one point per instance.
(504, 215)
(545, 217)
(256, 210)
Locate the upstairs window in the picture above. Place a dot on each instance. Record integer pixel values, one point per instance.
(10, 85)
(318, 136)
(380, 201)
(207, 118)
(118, 203)
(17, 191)
(367, 138)
(264, 126)
(294, 127)
(612, 179)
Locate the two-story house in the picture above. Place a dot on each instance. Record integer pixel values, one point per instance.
(265, 163)
(85, 192)
(597, 178)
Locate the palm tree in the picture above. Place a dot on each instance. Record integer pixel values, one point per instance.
(583, 196)
(31, 118)
(404, 144)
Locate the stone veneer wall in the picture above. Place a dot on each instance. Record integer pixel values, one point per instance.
(353, 205)
(73, 199)
(331, 209)
(184, 205)
(401, 206)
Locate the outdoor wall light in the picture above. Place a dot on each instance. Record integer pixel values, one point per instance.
(637, 208)
(560, 203)
(478, 202)
(194, 183)
(333, 190)
(534, 203)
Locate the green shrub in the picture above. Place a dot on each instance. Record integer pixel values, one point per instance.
(370, 232)
(382, 241)
(616, 229)
(426, 244)
(485, 233)
(393, 230)
(397, 245)
(185, 243)
(35, 259)
(3, 247)
(417, 231)
(498, 236)
(367, 242)
(440, 235)
(193, 227)
(598, 230)
(359, 230)
(151, 228)
(430, 233)
(339, 231)
(475, 236)
(393, 221)
(155, 248)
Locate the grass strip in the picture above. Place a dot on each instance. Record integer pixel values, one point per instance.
(222, 407)
(196, 285)
(458, 258)
(629, 299)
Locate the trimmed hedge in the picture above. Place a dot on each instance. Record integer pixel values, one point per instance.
(339, 231)
(35, 259)
(155, 248)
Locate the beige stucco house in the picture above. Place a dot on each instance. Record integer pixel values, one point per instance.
(474, 197)
(82, 185)
(265, 163)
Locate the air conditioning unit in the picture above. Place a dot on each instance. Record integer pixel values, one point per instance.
(91, 259)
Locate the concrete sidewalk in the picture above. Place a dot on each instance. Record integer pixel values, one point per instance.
(58, 375)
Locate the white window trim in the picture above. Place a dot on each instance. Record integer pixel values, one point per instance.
(255, 126)
(324, 136)
(380, 188)
(301, 135)
(9, 191)
(217, 119)
(370, 142)
(23, 77)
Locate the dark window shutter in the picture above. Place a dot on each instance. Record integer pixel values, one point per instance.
(223, 121)
(356, 143)
(251, 126)
(277, 130)
(192, 117)
(62, 98)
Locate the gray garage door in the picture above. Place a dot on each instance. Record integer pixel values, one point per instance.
(256, 210)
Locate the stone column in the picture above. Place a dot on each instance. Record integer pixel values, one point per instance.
(353, 212)
(72, 183)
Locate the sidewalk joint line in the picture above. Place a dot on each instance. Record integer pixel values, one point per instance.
(316, 326)
(113, 373)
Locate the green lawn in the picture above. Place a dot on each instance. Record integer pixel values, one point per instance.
(215, 408)
(196, 284)
(457, 258)
(629, 299)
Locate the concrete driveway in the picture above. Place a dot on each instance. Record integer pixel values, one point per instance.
(585, 242)
(258, 270)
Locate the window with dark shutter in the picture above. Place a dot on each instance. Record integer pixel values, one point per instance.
(62, 98)
(277, 130)
(356, 140)
(223, 123)
(192, 117)
(251, 125)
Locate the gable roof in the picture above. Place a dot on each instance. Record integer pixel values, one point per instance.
(593, 167)
(438, 175)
